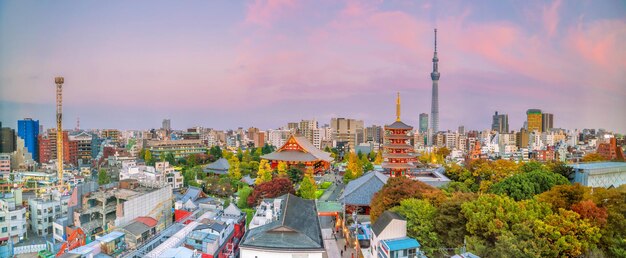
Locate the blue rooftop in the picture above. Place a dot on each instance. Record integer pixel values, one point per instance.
(401, 243)
(598, 165)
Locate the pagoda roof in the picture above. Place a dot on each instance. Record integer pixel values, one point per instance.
(399, 155)
(398, 146)
(398, 125)
(304, 151)
(398, 136)
(398, 165)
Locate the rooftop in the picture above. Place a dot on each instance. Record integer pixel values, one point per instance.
(598, 165)
(401, 243)
(361, 190)
(296, 228)
(398, 125)
(383, 221)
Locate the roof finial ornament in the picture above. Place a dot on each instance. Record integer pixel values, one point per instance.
(398, 107)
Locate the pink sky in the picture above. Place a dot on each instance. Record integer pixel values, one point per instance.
(265, 63)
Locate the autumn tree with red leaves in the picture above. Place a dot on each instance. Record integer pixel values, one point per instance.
(589, 210)
(270, 189)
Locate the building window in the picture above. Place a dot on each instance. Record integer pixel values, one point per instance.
(1, 219)
(13, 217)
(14, 228)
(4, 229)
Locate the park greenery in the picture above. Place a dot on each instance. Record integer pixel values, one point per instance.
(504, 209)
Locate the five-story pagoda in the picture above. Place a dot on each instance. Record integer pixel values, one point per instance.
(398, 154)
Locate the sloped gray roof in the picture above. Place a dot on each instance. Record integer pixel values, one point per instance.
(220, 166)
(383, 221)
(192, 194)
(136, 228)
(361, 190)
(297, 228)
(399, 125)
(248, 180)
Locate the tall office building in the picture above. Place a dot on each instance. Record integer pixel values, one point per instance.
(547, 122)
(7, 139)
(534, 120)
(434, 108)
(28, 130)
(500, 123)
(166, 125)
(374, 133)
(423, 123)
(345, 131)
(307, 128)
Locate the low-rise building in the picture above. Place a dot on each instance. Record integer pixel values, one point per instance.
(12, 217)
(179, 148)
(45, 210)
(121, 203)
(600, 174)
(5, 166)
(287, 226)
(389, 238)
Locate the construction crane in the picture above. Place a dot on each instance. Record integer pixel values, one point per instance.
(59, 82)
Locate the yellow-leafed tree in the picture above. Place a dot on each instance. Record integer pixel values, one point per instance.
(264, 174)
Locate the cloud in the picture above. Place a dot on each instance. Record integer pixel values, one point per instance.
(266, 12)
(551, 17)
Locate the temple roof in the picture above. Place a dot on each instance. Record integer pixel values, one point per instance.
(399, 155)
(398, 146)
(398, 165)
(398, 125)
(361, 190)
(306, 151)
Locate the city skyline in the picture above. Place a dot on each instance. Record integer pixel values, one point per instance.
(266, 63)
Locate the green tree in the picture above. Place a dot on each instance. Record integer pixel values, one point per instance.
(148, 158)
(367, 165)
(216, 152)
(239, 154)
(420, 216)
(169, 157)
(234, 169)
(243, 194)
(379, 158)
(307, 187)
(264, 174)
(562, 169)
(526, 185)
(450, 221)
(227, 154)
(103, 177)
(192, 160)
(295, 174)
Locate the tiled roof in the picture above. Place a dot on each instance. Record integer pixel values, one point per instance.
(361, 190)
(399, 125)
(311, 152)
(383, 221)
(297, 228)
(149, 221)
(220, 166)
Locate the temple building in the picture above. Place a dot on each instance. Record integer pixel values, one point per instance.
(298, 150)
(398, 154)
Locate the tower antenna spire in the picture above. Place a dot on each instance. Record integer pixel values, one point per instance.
(435, 39)
(398, 107)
